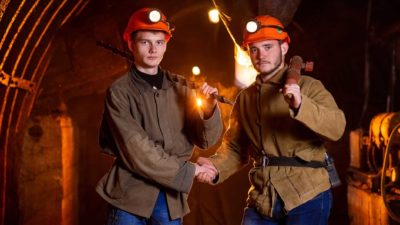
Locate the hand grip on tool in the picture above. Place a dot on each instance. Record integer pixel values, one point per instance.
(294, 70)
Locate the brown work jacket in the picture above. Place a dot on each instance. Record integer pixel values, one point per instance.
(261, 122)
(152, 134)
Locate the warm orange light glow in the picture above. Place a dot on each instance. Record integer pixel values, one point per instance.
(394, 176)
(213, 15)
(199, 102)
(69, 185)
(245, 74)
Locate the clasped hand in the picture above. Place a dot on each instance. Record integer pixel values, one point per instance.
(205, 171)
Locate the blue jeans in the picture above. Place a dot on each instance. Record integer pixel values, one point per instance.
(159, 216)
(314, 212)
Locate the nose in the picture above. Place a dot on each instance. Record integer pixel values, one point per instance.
(262, 54)
(153, 48)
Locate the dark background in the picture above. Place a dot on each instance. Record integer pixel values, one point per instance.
(332, 34)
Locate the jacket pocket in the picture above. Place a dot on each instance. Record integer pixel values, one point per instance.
(261, 194)
(118, 182)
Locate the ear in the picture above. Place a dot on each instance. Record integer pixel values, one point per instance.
(284, 48)
(131, 45)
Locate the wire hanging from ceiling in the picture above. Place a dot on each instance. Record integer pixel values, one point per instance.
(225, 20)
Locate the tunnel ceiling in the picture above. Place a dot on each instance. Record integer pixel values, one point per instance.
(26, 31)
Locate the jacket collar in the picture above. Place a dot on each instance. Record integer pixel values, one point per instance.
(277, 79)
(143, 86)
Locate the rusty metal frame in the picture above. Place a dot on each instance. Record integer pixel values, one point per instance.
(16, 82)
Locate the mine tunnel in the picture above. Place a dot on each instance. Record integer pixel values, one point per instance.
(59, 57)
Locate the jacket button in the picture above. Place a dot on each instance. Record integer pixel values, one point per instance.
(159, 143)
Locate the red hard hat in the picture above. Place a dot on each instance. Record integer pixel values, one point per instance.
(140, 20)
(264, 27)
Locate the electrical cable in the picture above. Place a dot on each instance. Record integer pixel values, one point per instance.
(225, 19)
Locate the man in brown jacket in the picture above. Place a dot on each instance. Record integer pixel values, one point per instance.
(151, 124)
(282, 127)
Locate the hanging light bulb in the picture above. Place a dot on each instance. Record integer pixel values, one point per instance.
(213, 15)
(195, 70)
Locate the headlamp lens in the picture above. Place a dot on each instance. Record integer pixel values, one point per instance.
(154, 16)
(252, 26)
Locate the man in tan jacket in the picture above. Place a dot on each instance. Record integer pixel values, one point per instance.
(282, 127)
(151, 124)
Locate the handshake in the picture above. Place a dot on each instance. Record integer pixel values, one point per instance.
(205, 171)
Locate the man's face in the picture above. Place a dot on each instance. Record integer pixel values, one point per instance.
(148, 48)
(267, 56)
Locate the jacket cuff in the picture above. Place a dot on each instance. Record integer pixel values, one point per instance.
(185, 176)
(301, 114)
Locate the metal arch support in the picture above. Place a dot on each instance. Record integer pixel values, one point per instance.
(16, 82)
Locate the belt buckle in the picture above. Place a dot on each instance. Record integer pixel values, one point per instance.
(265, 161)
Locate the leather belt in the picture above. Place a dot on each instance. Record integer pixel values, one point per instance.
(264, 161)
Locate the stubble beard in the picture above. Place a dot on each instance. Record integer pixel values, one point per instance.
(266, 75)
